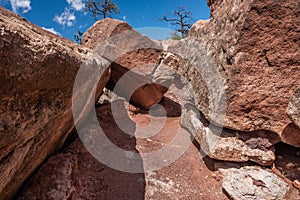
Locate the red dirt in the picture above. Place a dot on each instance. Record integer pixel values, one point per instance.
(189, 177)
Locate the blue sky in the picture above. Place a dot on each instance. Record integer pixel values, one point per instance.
(66, 16)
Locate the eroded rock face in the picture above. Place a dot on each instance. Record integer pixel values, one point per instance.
(133, 58)
(255, 49)
(253, 183)
(37, 73)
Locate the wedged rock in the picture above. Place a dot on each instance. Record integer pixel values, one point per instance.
(107, 97)
(138, 88)
(249, 183)
(37, 74)
(133, 58)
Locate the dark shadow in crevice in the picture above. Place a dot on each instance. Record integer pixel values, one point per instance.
(209, 162)
(288, 161)
(227, 195)
(166, 107)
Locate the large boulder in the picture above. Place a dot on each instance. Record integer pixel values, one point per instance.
(226, 61)
(102, 30)
(254, 47)
(37, 74)
(133, 57)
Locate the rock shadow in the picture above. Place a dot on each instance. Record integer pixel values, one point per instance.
(74, 173)
(288, 161)
(165, 108)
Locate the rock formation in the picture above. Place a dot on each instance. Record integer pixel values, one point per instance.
(37, 74)
(237, 81)
(227, 144)
(236, 78)
(243, 68)
(255, 47)
(132, 60)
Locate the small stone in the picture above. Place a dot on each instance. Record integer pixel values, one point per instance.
(293, 110)
(214, 175)
(296, 184)
(280, 157)
(290, 165)
(253, 183)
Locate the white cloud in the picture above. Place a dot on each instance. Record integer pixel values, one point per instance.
(124, 18)
(52, 30)
(66, 18)
(22, 5)
(76, 4)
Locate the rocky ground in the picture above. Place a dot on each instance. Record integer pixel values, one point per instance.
(74, 173)
(230, 89)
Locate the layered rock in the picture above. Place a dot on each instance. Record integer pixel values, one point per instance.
(37, 73)
(133, 58)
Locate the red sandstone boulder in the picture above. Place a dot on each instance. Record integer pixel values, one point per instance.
(37, 74)
(133, 58)
(102, 30)
(254, 45)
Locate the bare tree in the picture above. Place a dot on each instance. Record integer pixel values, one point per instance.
(101, 8)
(181, 19)
(78, 37)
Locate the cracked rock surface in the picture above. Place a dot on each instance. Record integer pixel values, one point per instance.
(250, 183)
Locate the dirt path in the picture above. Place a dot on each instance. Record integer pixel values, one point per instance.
(75, 174)
(187, 178)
